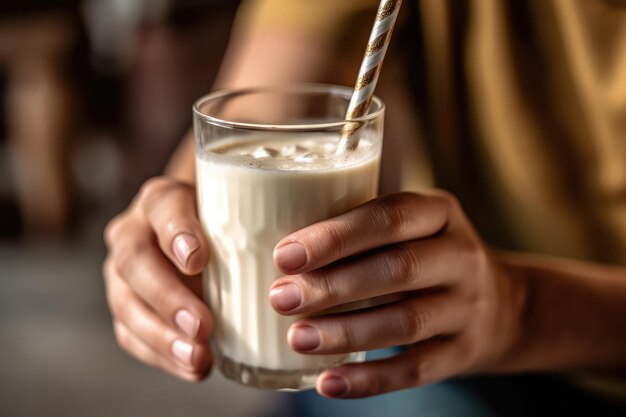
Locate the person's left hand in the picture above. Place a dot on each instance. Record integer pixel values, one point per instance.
(461, 312)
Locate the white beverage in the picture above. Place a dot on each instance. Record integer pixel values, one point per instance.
(253, 192)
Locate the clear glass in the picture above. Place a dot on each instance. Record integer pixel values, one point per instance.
(266, 167)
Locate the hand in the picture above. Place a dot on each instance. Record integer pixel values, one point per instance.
(460, 311)
(156, 251)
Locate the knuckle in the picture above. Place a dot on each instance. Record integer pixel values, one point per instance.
(469, 354)
(410, 324)
(393, 213)
(325, 284)
(480, 260)
(474, 301)
(406, 265)
(122, 338)
(481, 307)
(472, 358)
(347, 337)
(166, 226)
(112, 230)
(154, 185)
(415, 373)
(375, 384)
(159, 340)
(106, 270)
(113, 297)
(448, 197)
(125, 260)
(153, 189)
(166, 299)
(117, 304)
(171, 225)
(449, 202)
(333, 239)
(473, 255)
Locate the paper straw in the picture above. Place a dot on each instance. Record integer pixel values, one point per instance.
(369, 72)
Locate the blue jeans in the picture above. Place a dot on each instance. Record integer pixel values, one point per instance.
(488, 396)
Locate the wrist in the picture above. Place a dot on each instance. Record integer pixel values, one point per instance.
(524, 339)
(518, 309)
(572, 317)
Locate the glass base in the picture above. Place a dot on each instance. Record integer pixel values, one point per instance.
(294, 380)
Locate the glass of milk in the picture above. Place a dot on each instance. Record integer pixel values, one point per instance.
(266, 166)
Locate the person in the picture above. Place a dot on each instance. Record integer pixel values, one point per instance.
(517, 267)
(38, 42)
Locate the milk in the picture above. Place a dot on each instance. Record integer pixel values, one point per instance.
(251, 194)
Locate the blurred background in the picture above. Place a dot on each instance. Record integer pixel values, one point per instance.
(94, 96)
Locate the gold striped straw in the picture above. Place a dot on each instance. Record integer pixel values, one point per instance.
(368, 74)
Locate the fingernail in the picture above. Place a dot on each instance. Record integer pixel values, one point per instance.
(286, 297)
(290, 257)
(304, 338)
(183, 352)
(184, 245)
(187, 322)
(334, 386)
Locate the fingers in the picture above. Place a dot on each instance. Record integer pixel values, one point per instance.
(409, 266)
(170, 209)
(390, 219)
(409, 321)
(156, 281)
(155, 248)
(190, 355)
(139, 350)
(426, 363)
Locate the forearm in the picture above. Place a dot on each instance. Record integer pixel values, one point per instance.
(575, 315)
(259, 58)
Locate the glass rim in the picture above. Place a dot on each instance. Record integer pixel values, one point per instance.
(301, 88)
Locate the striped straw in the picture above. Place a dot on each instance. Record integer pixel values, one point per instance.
(369, 72)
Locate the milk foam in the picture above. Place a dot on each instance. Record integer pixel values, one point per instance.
(251, 194)
(309, 153)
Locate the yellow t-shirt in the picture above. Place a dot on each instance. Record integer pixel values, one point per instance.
(523, 109)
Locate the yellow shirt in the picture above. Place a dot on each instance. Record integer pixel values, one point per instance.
(523, 108)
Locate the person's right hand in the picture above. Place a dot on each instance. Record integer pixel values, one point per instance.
(156, 252)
